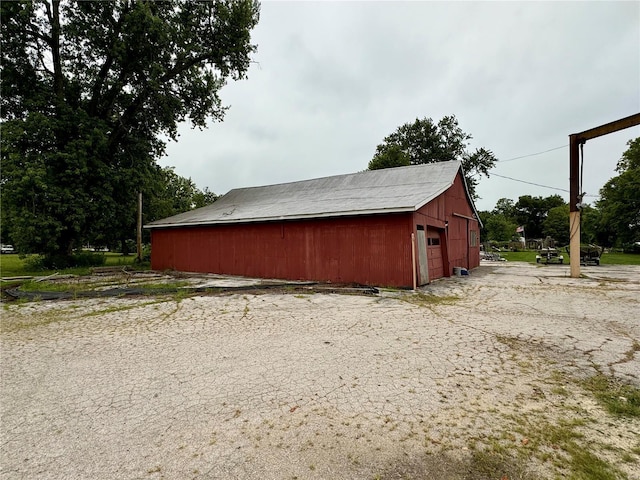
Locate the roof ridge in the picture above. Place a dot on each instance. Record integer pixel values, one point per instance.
(346, 175)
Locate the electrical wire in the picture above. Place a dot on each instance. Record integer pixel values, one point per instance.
(530, 183)
(532, 154)
(539, 184)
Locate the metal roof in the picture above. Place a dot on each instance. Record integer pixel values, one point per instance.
(390, 190)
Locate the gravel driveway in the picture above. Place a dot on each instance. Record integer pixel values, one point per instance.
(452, 382)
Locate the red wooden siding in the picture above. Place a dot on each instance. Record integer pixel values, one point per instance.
(461, 252)
(445, 216)
(373, 250)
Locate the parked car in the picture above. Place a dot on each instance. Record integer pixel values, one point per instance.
(7, 249)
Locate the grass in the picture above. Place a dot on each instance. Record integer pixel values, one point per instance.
(176, 287)
(529, 256)
(606, 259)
(619, 399)
(11, 265)
(620, 259)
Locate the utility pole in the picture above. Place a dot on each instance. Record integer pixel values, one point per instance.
(575, 193)
(139, 230)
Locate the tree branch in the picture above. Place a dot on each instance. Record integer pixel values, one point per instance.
(58, 78)
(106, 66)
(134, 108)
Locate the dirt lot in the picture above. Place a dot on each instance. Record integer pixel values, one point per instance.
(471, 378)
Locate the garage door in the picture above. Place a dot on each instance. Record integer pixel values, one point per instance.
(434, 255)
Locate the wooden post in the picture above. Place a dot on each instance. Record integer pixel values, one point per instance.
(139, 233)
(575, 200)
(413, 259)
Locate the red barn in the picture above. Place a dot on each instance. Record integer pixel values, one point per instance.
(389, 227)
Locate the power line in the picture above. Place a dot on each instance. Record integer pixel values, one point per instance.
(538, 184)
(532, 154)
(530, 183)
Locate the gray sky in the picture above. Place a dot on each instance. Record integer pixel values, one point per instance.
(332, 79)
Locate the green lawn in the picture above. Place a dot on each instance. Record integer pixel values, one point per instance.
(620, 259)
(11, 265)
(529, 256)
(606, 259)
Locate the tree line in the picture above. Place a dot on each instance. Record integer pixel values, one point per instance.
(612, 221)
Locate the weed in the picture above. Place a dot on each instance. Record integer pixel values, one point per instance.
(586, 465)
(619, 399)
(627, 458)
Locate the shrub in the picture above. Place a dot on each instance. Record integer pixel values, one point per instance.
(60, 262)
(631, 248)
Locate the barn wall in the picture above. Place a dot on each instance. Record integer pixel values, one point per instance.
(373, 250)
(444, 217)
(461, 231)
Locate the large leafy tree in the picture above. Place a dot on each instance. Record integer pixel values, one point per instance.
(174, 194)
(556, 224)
(499, 228)
(89, 92)
(531, 212)
(619, 202)
(425, 141)
(165, 193)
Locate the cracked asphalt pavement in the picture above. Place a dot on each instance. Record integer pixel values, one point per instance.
(282, 385)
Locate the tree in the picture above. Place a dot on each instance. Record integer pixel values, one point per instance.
(500, 228)
(89, 92)
(506, 207)
(620, 198)
(424, 141)
(165, 193)
(391, 157)
(556, 224)
(202, 198)
(593, 230)
(530, 212)
(173, 194)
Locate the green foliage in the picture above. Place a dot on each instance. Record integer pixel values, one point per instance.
(393, 156)
(500, 228)
(530, 212)
(424, 141)
(506, 208)
(631, 157)
(61, 262)
(619, 202)
(174, 194)
(556, 224)
(89, 93)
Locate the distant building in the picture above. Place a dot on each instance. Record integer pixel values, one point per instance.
(374, 228)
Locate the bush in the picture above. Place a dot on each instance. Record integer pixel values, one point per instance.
(60, 262)
(631, 248)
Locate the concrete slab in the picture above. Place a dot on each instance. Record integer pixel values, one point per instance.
(317, 386)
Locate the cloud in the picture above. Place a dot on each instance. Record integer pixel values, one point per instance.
(332, 79)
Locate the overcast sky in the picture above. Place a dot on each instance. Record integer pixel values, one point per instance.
(332, 79)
